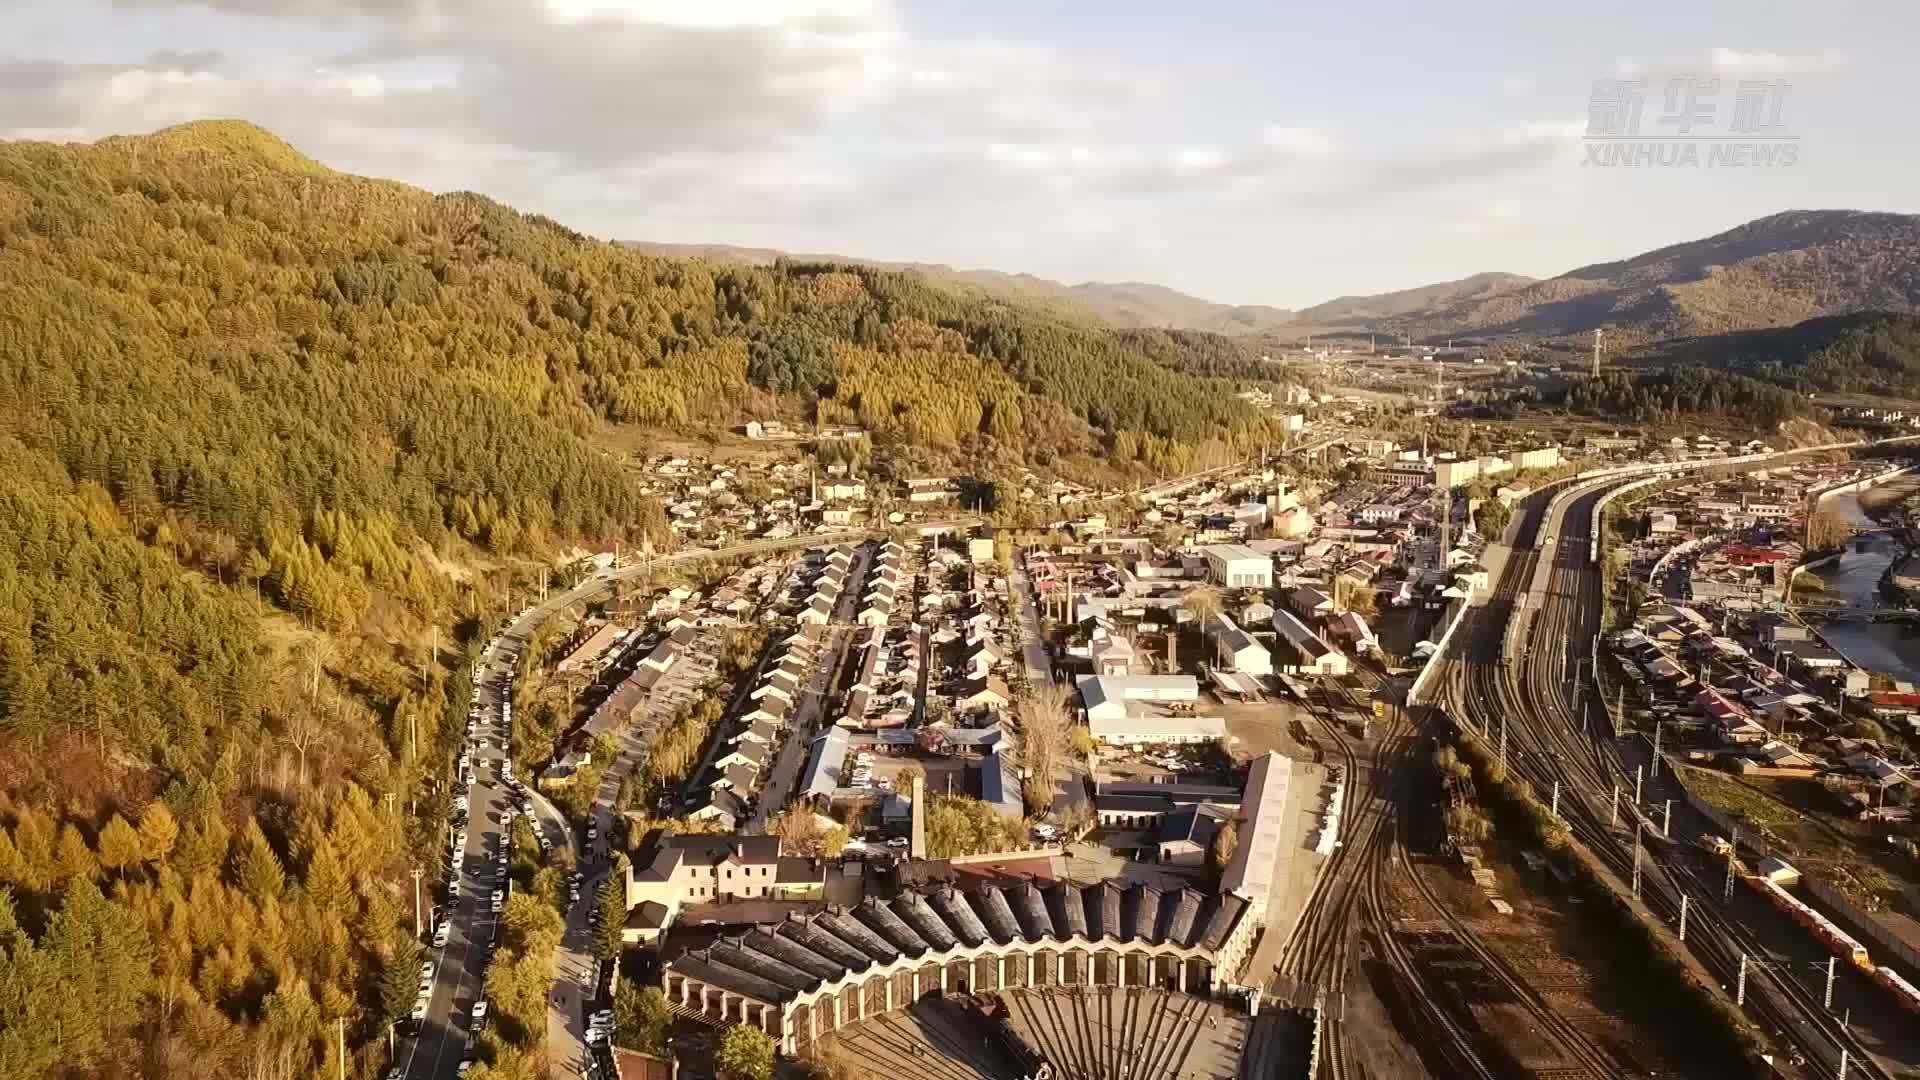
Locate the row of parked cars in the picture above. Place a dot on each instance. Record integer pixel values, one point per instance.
(490, 882)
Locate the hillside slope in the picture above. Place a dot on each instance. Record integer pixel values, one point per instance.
(1367, 310)
(1121, 304)
(1774, 271)
(265, 425)
(1868, 352)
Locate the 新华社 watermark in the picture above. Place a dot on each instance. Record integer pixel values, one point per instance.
(1699, 124)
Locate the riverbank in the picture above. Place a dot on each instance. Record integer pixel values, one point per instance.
(1855, 577)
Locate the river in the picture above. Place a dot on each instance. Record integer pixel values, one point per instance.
(1892, 649)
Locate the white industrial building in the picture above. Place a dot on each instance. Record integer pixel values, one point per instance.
(1137, 710)
(1238, 567)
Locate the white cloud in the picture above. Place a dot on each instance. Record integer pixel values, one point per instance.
(1734, 63)
(1298, 140)
(1750, 64)
(810, 124)
(720, 14)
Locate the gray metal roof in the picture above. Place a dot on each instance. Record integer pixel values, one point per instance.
(775, 963)
(883, 921)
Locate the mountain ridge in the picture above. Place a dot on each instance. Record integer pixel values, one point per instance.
(1776, 270)
(1122, 304)
(1773, 271)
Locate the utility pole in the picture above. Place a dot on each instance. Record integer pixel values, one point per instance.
(1726, 892)
(1740, 993)
(417, 929)
(1684, 903)
(1596, 351)
(1826, 1000)
(342, 1029)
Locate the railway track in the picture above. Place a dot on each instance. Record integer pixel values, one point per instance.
(1351, 895)
(1558, 735)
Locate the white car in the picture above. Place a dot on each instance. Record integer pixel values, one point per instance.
(601, 1019)
(594, 1036)
(499, 899)
(480, 1012)
(420, 1011)
(441, 933)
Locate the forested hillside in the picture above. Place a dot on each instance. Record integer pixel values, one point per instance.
(266, 428)
(1871, 352)
(1773, 271)
(1116, 303)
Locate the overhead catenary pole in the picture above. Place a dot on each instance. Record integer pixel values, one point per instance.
(1666, 821)
(1613, 814)
(1740, 992)
(1826, 1000)
(1685, 901)
(1637, 770)
(1726, 892)
(1636, 860)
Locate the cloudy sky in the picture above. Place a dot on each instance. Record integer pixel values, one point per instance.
(1237, 150)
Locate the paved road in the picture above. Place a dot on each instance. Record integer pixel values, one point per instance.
(575, 976)
(811, 710)
(460, 967)
(1039, 669)
(1072, 792)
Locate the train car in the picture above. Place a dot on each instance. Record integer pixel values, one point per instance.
(1838, 941)
(1902, 990)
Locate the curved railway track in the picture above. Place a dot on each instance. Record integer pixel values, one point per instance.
(1322, 954)
(1552, 740)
